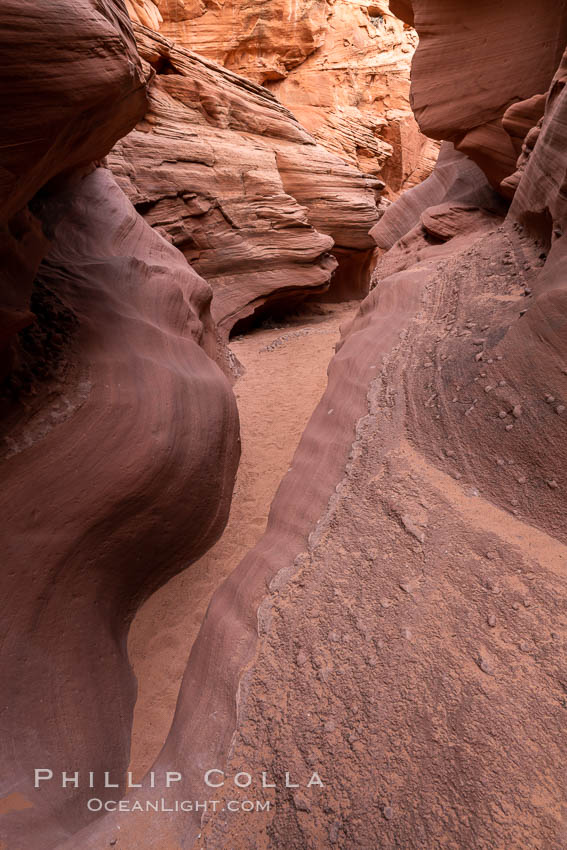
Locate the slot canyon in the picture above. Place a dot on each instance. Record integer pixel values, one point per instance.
(283, 407)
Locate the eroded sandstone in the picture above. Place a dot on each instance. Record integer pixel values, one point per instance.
(229, 176)
(118, 429)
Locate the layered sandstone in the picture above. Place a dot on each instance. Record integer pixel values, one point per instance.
(228, 175)
(399, 629)
(48, 125)
(258, 39)
(342, 67)
(353, 94)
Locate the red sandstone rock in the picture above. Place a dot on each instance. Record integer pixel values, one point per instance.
(133, 439)
(446, 221)
(422, 528)
(118, 433)
(399, 627)
(476, 60)
(230, 177)
(260, 39)
(352, 94)
(341, 67)
(455, 180)
(54, 116)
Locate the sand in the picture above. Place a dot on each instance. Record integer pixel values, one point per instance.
(285, 376)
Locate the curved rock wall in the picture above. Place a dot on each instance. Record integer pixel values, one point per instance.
(474, 61)
(228, 175)
(400, 627)
(119, 433)
(54, 116)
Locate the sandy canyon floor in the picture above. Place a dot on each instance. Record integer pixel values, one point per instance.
(285, 374)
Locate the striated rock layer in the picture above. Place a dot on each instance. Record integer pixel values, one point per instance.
(353, 94)
(259, 39)
(119, 433)
(54, 116)
(341, 66)
(226, 173)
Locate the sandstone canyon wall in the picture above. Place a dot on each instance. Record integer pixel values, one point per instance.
(227, 174)
(341, 66)
(119, 431)
(400, 628)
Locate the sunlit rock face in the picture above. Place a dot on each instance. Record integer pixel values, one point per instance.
(229, 176)
(342, 67)
(353, 94)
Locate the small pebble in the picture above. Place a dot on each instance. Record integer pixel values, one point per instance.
(488, 388)
(550, 399)
(516, 606)
(522, 479)
(491, 620)
(517, 411)
(553, 485)
(509, 427)
(560, 409)
(502, 414)
(388, 812)
(479, 356)
(485, 666)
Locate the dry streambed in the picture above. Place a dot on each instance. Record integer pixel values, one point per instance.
(285, 376)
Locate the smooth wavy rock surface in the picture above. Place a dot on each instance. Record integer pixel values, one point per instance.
(58, 74)
(118, 478)
(118, 432)
(227, 174)
(476, 60)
